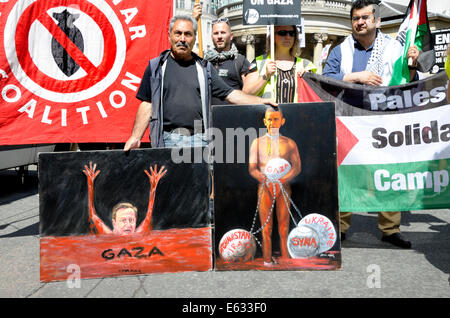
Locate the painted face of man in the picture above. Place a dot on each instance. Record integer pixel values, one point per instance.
(222, 36)
(125, 221)
(182, 39)
(364, 22)
(273, 122)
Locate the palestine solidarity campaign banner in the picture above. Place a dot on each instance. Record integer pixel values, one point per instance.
(393, 143)
(70, 69)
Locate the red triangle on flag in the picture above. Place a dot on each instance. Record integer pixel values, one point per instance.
(305, 93)
(346, 140)
(422, 12)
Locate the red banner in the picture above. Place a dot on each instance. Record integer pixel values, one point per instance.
(70, 69)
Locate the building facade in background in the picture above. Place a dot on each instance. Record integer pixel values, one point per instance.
(208, 15)
(325, 22)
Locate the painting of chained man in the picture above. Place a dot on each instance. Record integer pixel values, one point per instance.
(275, 198)
(111, 213)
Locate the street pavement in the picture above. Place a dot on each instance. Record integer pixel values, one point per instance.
(370, 268)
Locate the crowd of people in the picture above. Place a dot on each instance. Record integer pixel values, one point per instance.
(178, 86)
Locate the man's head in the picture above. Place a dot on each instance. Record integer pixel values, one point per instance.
(221, 35)
(273, 120)
(182, 31)
(365, 18)
(124, 216)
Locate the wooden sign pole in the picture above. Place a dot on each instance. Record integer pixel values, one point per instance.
(199, 32)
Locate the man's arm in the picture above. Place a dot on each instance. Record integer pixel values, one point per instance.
(254, 82)
(239, 97)
(332, 69)
(332, 66)
(141, 122)
(364, 77)
(222, 90)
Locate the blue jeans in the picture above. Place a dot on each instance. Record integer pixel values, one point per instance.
(176, 140)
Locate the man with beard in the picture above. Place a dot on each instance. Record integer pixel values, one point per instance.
(361, 59)
(183, 83)
(229, 63)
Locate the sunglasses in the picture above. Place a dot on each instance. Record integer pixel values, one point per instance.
(219, 20)
(286, 32)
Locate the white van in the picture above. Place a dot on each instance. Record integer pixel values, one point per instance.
(22, 155)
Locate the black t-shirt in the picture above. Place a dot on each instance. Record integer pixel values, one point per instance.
(181, 96)
(227, 71)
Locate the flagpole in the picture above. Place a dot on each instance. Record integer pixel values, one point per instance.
(415, 13)
(200, 39)
(272, 54)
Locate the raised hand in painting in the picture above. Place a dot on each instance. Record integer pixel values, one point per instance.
(124, 214)
(96, 224)
(155, 175)
(90, 172)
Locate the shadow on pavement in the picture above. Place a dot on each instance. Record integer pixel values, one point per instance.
(31, 230)
(433, 244)
(14, 186)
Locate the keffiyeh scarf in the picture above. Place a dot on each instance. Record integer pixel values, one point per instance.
(214, 56)
(376, 61)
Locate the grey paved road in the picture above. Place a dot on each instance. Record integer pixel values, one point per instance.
(370, 268)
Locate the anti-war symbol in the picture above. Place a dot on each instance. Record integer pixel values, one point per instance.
(64, 61)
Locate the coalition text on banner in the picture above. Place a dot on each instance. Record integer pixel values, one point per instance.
(71, 69)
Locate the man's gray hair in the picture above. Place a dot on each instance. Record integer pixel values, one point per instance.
(185, 18)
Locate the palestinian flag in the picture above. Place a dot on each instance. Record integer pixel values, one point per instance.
(414, 30)
(393, 142)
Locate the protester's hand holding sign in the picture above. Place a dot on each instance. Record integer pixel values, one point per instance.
(271, 68)
(197, 11)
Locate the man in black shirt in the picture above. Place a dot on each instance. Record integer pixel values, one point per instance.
(231, 66)
(183, 83)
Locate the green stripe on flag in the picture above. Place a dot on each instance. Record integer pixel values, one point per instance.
(422, 30)
(394, 187)
(400, 71)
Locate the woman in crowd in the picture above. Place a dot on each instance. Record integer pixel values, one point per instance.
(286, 67)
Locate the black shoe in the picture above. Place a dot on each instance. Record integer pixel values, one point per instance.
(342, 236)
(397, 240)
